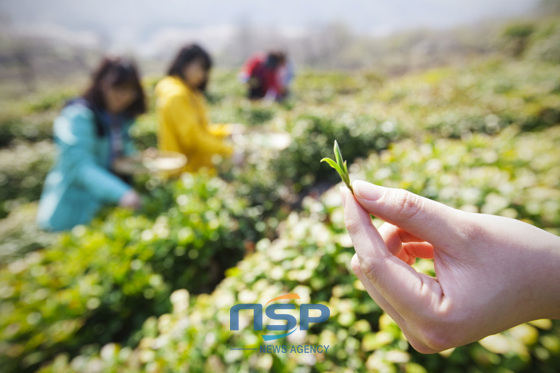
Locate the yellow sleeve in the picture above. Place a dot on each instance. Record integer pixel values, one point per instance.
(168, 135)
(192, 133)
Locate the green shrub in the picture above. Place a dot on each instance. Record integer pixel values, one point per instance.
(255, 114)
(312, 139)
(23, 168)
(516, 37)
(24, 126)
(112, 283)
(144, 131)
(99, 283)
(515, 174)
(548, 48)
(31, 119)
(51, 100)
(20, 235)
(311, 258)
(487, 96)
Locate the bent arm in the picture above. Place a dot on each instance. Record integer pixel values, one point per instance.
(75, 132)
(196, 134)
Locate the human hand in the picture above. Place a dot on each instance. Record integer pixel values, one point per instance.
(150, 152)
(236, 133)
(492, 273)
(254, 82)
(130, 200)
(238, 157)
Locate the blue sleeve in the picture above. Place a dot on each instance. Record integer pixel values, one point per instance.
(77, 137)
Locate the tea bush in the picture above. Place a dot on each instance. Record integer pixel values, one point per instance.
(513, 174)
(143, 291)
(20, 235)
(31, 127)
(99, 283)
(31, 119)
(312, 139)
(486, 96)
(23, 168)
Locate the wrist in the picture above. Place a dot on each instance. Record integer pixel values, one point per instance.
(549, 275)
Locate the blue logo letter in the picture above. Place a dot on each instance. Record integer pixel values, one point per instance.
(291, 321)
(305, 319)
(234, 315)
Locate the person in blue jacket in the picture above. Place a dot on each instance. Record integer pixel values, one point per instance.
(90, 133)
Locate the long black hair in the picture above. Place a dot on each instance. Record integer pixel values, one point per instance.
(116, 72)
(186, 55)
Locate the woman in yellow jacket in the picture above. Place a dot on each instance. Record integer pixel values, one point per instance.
(181, 108)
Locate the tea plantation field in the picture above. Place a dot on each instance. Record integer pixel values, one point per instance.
(151, 291)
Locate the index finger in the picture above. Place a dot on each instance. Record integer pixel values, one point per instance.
(396, 281)
(431, 221)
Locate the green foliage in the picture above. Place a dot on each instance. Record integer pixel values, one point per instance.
(516, 37)
(145, 291)
(311, 258)
(486, 96)
(515, 174)
(31, 119)
(52, 100)
(23, 167)
(339, 165)
(519, 30)
(546, 44)
(99, 283)
(324, 87)
(254, 115)
(20, 235)
(144, 131)
(22, 126)
(228, 96)
(312, 136)
(535, 40)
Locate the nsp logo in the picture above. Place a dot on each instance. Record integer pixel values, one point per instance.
(272, 312)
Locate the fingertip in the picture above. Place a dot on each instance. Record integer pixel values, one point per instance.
(344, 190)
(355, 264)
(366, 191)
(345, 193)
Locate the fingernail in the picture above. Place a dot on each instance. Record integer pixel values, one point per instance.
(368, 191)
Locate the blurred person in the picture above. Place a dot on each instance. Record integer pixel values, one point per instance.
(286, 74)
(266, 76)
(182, 111)
(90, 134)
(492, 272)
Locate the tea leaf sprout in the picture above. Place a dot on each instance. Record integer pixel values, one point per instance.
(339, 166)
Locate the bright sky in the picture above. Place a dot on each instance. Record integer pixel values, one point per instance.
(144, 23)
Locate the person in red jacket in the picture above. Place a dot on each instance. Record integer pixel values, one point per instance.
(261, 73)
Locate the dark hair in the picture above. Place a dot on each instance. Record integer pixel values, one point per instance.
(271, 61)
(117, 72)
(186, 55)
(281, 57)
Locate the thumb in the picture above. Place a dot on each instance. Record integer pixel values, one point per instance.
(431, 221)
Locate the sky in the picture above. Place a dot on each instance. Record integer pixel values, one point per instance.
(145, 26)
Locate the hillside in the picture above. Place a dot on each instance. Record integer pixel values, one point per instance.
(152, 291)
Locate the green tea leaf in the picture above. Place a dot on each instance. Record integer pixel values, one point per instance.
(340, 166)
(334, 165)
(337, 153)
(346, 171)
